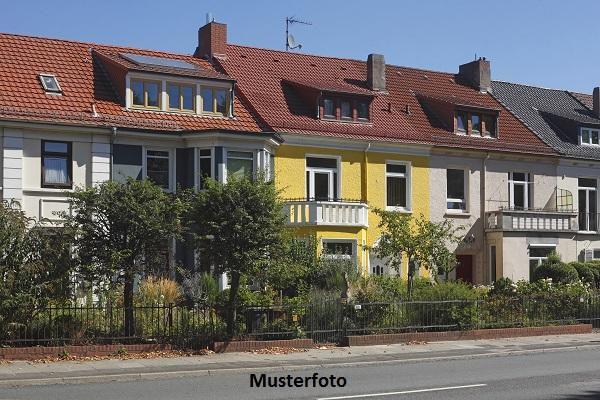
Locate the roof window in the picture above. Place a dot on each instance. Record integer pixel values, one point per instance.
(50, 83)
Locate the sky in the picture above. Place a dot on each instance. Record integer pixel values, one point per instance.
(552, 43)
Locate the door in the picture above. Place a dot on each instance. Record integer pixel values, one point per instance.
(321, 185)
(464, 269)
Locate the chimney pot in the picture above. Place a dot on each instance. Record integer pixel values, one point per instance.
(477, 74)
(212, 40)
(376, 72)
(596, 97)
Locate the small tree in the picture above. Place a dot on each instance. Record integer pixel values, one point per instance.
(123, 229)
(35, 265)
(241, 224)
(420, 241)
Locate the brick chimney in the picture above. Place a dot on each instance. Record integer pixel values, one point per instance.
(376, 72)
(212, 40)
(477, 74)
(596, 98)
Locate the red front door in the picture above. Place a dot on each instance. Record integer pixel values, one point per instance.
(464, 269)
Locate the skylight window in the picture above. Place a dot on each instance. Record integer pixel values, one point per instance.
(159, 61)
(50, 83)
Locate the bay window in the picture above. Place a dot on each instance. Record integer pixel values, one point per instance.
(158, 168)
(57, 164)
(204, 166)
(240, 163)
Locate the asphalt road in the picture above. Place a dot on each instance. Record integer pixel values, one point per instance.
(555, 375)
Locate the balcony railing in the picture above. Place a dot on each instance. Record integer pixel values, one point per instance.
(531, 220)
(332, 213)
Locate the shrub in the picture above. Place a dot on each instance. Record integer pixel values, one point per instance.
(158, 291)
(448, 291)
(503, 287)
(556, 270)
(586, 274)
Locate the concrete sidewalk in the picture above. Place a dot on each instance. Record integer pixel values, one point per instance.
(19, 373)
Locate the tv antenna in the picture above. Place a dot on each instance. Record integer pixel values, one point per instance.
(290, 42)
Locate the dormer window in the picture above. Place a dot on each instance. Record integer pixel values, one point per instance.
(50, 83)
(589, 137)
(344, 109)
(475, 123)
(215, 101)
(145, 94)
(181, 97)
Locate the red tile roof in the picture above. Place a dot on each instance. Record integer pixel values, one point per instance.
(395, 115)
(84, 82)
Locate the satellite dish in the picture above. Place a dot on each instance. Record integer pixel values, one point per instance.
(292, 42)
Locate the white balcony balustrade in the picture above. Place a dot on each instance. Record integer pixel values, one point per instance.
(531, 220)
(327, 213)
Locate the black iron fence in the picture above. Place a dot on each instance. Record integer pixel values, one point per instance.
(325, 321)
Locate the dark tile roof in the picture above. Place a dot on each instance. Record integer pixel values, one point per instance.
(542, 110)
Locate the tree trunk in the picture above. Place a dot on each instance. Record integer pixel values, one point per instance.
(128, 305)
(411, 275)
(232, 307)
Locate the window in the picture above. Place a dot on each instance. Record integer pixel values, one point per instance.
(321, 179)
(50, 83)
(489, 125)
(397, 176)
(215, 101)
(181, 97)
(475, 123)
(461, 121)
(362, 110)
(346, 109)
(520, 192)
(456, 188)
(204, 166)
(240, 163)
(328, 108)
(339, 249)
(590, 136)
(145, 94)
(588, 217)
(537, 255)
(57, 164)
(377, 270)
(158, 168)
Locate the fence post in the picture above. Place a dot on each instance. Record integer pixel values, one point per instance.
(170, 320)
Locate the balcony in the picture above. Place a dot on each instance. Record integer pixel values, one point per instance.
(531, 220)
(327, 213)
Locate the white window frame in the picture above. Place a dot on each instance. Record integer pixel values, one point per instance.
(241, 150)
(465, 201)
(354, 254)
(527, 189)
(590, 131)
(46, 89)
(198, 178)
(587, 190)
(171, 164)
(407, 176)
(539, 260)
(312, 170)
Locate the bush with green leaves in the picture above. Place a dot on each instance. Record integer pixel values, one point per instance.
(585, 272)
(556, 270)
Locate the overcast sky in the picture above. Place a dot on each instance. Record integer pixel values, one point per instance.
(548, 43)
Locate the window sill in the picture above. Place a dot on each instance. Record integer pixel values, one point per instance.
(587, 232)
(454, 213)
(400, 210)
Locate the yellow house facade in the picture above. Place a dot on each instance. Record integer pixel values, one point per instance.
(331, 188)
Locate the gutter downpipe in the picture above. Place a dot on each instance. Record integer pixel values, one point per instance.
(112, 140)
(366, 196)
(487, 275)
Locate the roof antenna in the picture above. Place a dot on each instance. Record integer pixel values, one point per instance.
(290, 42)
(209, 18)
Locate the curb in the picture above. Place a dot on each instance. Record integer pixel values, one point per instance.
(143, 376)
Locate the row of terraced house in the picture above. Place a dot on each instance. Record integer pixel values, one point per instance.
(516, 165)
